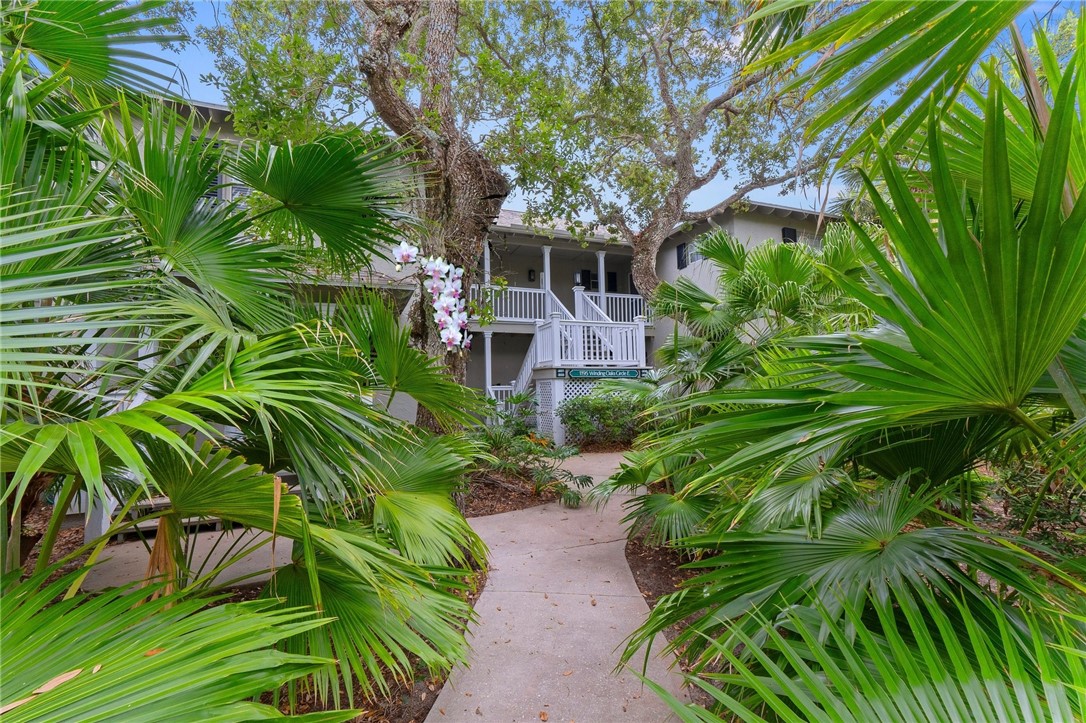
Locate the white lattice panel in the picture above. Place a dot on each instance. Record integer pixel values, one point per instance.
(545, 406)
(578, 388)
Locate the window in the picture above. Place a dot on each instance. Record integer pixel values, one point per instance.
(587, 278)
(789, 235)
(680, 256)
(694, 254)
(612, 282)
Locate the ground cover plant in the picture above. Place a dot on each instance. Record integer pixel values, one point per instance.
(517, 458)
(603, 419)
(156, 343)
(848, 568)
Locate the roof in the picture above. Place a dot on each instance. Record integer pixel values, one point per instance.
(513, 221)
(772, 209)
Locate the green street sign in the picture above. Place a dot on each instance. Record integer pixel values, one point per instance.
(604, 373)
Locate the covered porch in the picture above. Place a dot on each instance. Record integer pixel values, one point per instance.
(537, 280)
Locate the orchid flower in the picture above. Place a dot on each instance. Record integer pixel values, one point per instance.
(405, 253)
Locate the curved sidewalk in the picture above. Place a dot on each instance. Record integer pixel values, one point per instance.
(559, 603)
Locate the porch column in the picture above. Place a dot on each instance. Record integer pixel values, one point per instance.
(603, 280)
(486, 264)
(488, 358)
(546, 281)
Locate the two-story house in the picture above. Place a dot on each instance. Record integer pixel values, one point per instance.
(558, 330)
(562, 313)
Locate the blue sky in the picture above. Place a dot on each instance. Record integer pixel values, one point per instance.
(196, 60)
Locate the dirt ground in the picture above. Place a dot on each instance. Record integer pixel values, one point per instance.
(657, 572)
(490, 493)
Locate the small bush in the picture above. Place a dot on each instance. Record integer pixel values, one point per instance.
(607, 418)
(533, 459)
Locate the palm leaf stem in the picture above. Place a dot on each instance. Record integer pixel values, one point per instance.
(71, 487)
(1035, 99)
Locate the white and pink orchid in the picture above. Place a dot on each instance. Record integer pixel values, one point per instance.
(405, 253)
(444, 282)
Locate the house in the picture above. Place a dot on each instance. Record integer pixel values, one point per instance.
(562, 312)
(558, 331)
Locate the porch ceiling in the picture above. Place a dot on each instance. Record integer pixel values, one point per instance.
(565, 250)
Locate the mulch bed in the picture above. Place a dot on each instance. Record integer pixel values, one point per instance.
(490, 493)
(657, 572)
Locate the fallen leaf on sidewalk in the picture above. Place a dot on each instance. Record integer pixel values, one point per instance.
(567, 673)
(543, 715)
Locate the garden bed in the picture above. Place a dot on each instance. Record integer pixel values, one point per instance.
(491, 492)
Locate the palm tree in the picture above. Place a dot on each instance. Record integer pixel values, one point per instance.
(153, 345)
(794, 612)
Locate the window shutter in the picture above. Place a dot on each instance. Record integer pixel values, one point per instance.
(680, 256)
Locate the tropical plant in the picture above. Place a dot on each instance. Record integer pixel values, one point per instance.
(602, 418)
(929, 50)
(126, 654)
(153, 345)
(868, 568)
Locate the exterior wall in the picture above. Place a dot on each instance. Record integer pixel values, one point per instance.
(752, 228)
(507, 356)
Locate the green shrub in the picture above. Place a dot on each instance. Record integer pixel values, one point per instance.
(607, 418)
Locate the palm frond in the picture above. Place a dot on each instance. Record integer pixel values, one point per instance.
(155, 657)
(91, 41)
(338, 190)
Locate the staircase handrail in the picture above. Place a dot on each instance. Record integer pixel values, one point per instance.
(527, 367)
(593, 312)
(557, 305)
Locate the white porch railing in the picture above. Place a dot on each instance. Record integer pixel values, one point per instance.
(585, 308)
(513, 303)
(500, 393)
(622, 307)
(566, 342)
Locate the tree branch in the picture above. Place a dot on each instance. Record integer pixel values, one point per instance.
(737, 87)
(743, 190)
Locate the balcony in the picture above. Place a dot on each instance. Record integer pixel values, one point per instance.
(519, 304)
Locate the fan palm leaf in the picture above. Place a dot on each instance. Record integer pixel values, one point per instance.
(343, 190)
(930, 48)
(869, 550)
(91, 41)
(970, 323)
(121, 654)
(918, 659)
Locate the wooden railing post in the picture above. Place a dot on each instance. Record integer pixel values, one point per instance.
(639, 341)
(578, 302)
(556, 337)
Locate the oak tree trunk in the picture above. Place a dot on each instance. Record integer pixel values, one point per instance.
(462, 191)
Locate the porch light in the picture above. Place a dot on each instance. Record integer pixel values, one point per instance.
(531, 274)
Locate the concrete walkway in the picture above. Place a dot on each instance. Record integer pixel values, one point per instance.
(559, 603)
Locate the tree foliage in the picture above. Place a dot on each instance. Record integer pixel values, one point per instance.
(619, 114)
(153, 347)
